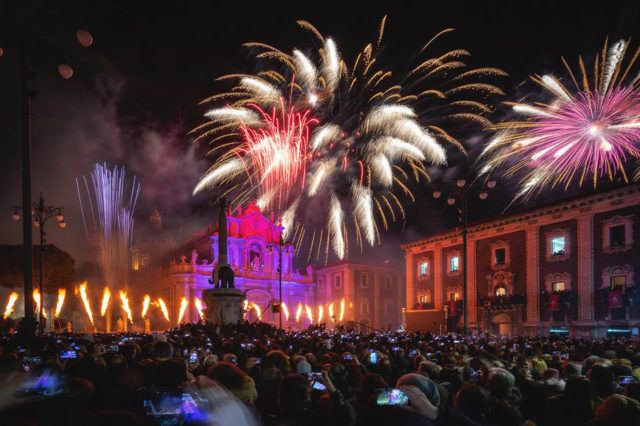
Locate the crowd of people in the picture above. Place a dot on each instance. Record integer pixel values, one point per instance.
(252, 374)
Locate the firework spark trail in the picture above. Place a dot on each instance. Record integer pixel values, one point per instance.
(111, 221)
(309, 312)
(199, 308)
(85, 301)
(38, 300)
(285, 310)
(298, 312)
(163, 308)
(60, 302)
(183, 308)
(299, 134)
(335, 225)
(125, 305)
(11, 303)
(104, 305)
(146, 301)
(586, 134)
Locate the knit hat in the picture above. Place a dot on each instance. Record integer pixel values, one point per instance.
(426, 386)
(303, 367)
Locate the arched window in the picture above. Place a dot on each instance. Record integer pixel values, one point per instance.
(501, 291)
(255, 257)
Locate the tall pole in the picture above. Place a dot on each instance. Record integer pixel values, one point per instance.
(464, 263)
(280, 283)
(41, 219)
(28, 324)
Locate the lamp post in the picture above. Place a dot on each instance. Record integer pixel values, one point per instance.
(461, 195)
(40, 214)
(280, 247)
(27, 73)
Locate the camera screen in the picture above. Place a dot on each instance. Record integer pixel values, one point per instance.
(392, 397)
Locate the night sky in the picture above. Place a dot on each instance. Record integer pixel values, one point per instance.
(134, 94)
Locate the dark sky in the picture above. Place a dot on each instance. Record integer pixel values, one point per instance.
(135, 92)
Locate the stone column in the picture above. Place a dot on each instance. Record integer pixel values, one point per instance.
(471, 283)
(532, 253)
(585, 268)
(438, 285)
(409, 280)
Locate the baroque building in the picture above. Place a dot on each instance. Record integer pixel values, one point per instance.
(568, 267)
(362, 295)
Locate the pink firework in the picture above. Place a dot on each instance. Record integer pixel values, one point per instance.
(278, 153)
(579, 136)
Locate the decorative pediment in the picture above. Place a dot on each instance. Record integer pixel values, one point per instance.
(559, 277)
(500, 279)
(617, 270)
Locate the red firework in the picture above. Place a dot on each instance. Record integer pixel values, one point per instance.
(278, 153)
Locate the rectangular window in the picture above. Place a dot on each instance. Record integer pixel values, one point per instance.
(364, 283)
(388, 307)
(618, 281)
(364, 307)
(320, 284)
(387, 283)
(454, 264)
(557, 246)
(424, 299)
(337, 281)
(423, 269)
(455, 296)
(617, 235)
(558, 286)
(500, 256)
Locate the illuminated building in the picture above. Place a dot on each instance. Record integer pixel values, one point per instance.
(569, 266)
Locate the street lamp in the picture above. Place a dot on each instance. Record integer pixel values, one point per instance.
(461, 192)
(40, 214)
(25, 47)
(280, 247)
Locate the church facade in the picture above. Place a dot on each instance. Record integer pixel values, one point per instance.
(254, 254)
(569, 267)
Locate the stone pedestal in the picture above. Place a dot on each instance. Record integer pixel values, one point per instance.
(224, 305)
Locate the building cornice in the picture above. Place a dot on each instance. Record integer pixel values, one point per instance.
(622, 197)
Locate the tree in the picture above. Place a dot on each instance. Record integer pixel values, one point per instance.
(59, 267)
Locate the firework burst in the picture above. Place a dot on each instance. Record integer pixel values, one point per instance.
(330, 147)
(580, 135)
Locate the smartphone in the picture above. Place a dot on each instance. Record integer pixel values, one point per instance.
(395, 348)
(413, 353)
(258, 361)
(347, 357)
(319, 386)
(564, 356)
(193, 357)
(625, 380)
(112, 348)
(68, 355)
(373, 357)
(392, 397)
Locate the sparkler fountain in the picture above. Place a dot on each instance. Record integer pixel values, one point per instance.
(224, 302)
(107, 213)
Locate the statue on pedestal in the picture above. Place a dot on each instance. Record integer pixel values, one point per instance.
(222, 276)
